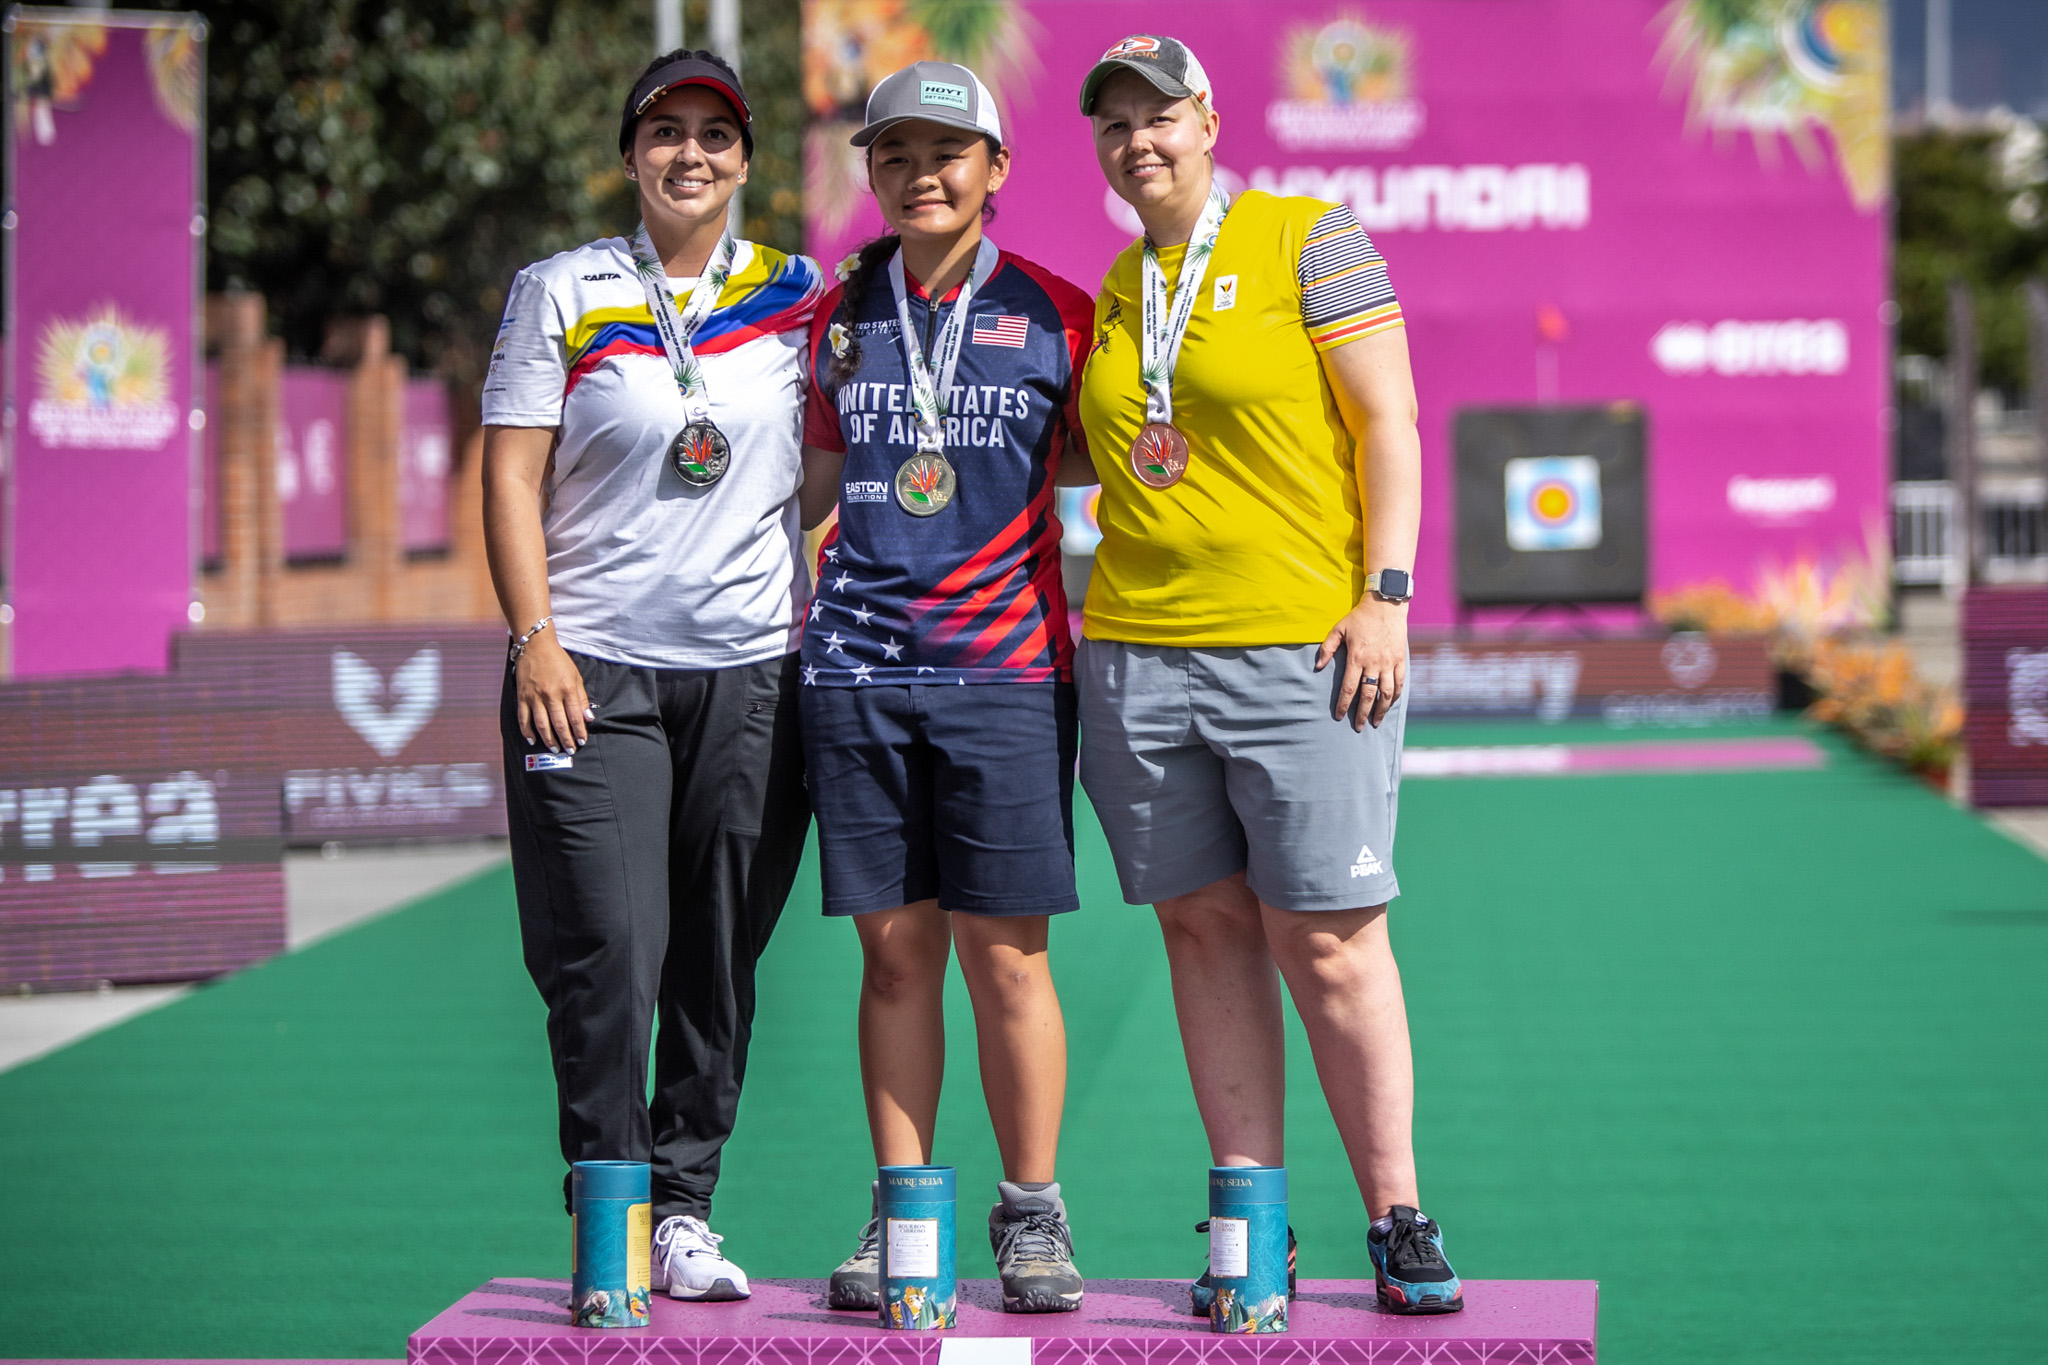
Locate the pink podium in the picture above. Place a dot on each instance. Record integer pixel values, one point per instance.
(1124, 1322)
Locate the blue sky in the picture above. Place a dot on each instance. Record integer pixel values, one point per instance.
(2000, 47)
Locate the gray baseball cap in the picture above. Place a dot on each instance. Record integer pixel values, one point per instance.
(936, 92)
(1166, 62)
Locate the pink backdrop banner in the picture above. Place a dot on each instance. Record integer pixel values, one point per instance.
(103, 259)
(425, 439)
(1580, 201)
(312, 461)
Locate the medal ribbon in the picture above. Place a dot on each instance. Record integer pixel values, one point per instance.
(931, 387)
(676, 330)
(1163, 327)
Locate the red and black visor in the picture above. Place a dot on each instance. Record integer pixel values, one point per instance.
(676, 74)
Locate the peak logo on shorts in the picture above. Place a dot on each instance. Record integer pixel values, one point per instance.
(547, 763)
(866, 490)
(1366, 866)
(939, 92)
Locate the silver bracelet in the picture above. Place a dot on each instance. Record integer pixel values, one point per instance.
(519, 645)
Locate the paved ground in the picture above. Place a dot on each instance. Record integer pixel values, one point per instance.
(323, 895)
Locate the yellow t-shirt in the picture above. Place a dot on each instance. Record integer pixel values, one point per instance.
(1261, 542)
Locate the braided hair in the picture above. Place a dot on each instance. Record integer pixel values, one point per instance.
(867, 264)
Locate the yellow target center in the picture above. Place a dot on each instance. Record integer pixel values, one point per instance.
(1553, 503)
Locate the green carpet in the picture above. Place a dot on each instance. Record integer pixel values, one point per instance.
(1762, 1053)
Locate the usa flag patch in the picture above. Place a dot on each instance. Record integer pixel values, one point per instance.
(1001, 329)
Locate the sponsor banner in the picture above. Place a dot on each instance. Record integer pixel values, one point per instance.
(139, 830)
(1686, 679)
(1671, 203)
(426, 439)
(102, 379)
(312, 461)
(2005, 693)
(385, 732)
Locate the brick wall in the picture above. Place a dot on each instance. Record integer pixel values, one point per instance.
(252, 586)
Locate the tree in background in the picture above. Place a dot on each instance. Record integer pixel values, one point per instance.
(1970, 207)
(373, 156)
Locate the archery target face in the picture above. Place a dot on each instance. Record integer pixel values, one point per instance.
(1553, 503)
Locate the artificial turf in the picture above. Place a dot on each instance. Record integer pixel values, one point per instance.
(1763, 1053)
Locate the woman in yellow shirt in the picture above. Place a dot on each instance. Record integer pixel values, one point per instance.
(1251, 414)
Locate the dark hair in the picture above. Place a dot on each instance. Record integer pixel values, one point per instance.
(629, 120)
(874, 255)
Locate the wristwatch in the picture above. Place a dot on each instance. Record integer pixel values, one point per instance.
(1391, 585)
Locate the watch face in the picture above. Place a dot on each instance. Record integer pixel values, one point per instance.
(1395, 584)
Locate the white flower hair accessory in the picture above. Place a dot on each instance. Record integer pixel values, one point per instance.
(837, 336)
(844, 270)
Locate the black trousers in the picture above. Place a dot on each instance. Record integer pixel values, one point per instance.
(650, 872)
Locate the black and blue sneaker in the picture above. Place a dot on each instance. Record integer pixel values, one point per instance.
(1201, 1293)
(1408, 1265)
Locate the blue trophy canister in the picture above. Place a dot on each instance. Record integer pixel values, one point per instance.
(613, 1222)
(915, 1205)
(1248, 1248)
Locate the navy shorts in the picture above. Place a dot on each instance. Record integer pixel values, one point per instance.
(960, 793)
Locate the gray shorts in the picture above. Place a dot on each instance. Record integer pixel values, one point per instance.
(1206, 762)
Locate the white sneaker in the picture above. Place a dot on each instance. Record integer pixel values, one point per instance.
(688, 1264)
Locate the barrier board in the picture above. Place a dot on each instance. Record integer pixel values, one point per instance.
(385, 732)
(139, 831)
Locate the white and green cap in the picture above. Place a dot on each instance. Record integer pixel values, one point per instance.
(936, 92)
(1165, 62)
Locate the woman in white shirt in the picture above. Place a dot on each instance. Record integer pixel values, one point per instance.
(641, 467)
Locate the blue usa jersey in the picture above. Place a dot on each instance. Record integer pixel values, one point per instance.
(971, 594)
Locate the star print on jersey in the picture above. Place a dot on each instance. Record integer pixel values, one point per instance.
(817, 606)
(975, 595)
(810, 676)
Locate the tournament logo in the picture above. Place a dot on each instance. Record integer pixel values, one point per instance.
(1348, 86)
(1789, 69)
(102, 384)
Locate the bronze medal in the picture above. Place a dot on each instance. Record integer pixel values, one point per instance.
(1159, 456)
(924, 484)
(700, 454)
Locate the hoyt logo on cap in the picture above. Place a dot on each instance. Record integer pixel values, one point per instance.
(933, 92)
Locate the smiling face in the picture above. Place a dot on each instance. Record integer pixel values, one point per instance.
(1153, 148)
(930, 180)
(687, 157)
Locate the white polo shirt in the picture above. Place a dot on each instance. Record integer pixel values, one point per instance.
(644, 568)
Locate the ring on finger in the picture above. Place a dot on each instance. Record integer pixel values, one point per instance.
(1373, 681)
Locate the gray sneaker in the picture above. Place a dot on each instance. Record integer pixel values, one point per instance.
(858, 1281)
(1034, 1250)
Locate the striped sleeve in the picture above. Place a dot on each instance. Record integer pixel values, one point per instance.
(1345, 293)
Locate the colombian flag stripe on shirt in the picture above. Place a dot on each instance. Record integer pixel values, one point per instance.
(774, 293)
